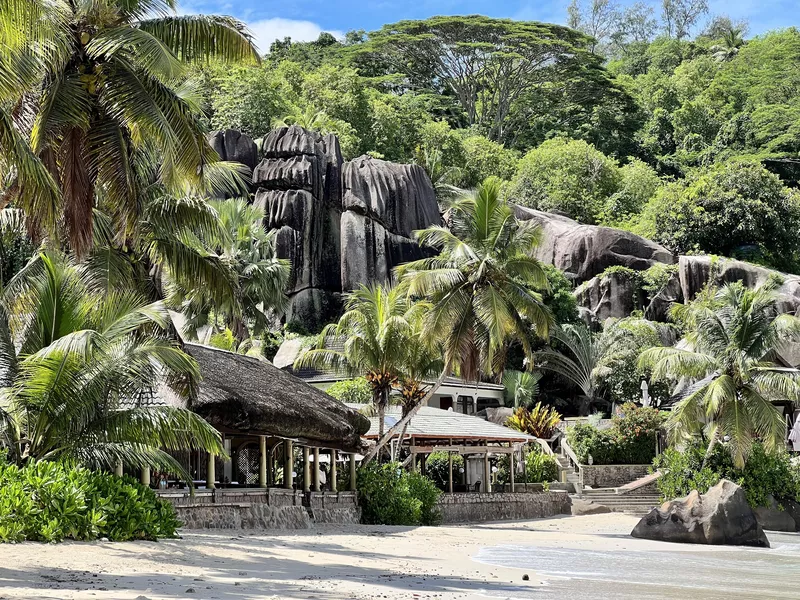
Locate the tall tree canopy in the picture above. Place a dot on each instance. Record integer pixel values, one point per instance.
(486, 64)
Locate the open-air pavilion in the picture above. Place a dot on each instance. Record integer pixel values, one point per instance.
(271, 422)
(479, 441)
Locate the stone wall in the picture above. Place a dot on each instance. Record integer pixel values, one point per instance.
(607, 476)
(478, 508)
(272, 508)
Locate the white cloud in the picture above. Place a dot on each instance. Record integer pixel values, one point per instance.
(267, 31)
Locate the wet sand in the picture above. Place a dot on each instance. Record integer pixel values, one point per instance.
(359, 562)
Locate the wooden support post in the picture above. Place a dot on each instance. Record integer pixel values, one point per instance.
(316, 469)
(334, 484)
(119, 470)
(487, 484)
(353, 475)
(414, 464)
(306, 471)
(262, 461)
(288, 464)
(450, 472)
(511, 469)
(145, 476)
(272, 475)
(211, 471)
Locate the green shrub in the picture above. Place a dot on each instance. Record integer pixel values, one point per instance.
(764, 473)
(539, 468)
(48, 502)
(630, 440)
(389, 495)
(356, 391)
(425, 491)
(437, 468)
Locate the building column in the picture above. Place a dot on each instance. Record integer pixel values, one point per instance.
(353, 475)
(306, 471)
(145, 476)
(487, 484)
(210, 471)
(316, 469)
(262, 461)
(450, 472)
(511, 469)
(414, 464)
(227, 466)
(334, 483)
(119, 469)
(288, 464)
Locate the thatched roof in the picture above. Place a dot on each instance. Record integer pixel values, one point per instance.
(246, 394)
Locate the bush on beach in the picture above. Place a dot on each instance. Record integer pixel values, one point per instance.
(52, 501)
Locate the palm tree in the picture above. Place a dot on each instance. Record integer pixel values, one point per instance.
(308, 118)
(377, 332)
(441, 176)
(521, 388)
(577, 361)
(247, 250)
(81, 368)
(732, 41)
(95, 88)
(482, 284)
(729, 355)
(481, 288)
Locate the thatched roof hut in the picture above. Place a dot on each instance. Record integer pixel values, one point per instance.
(243, 394)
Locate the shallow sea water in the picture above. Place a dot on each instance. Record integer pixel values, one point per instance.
(726, 573)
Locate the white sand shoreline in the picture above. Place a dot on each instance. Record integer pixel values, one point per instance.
(332, 562)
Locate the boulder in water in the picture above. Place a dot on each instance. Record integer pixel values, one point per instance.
(720, 517)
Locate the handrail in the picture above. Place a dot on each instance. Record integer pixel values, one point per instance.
(545, 446)
(570, 453)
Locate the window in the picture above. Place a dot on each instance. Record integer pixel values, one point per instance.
(484, 403)
(466, 405)
(446, 402)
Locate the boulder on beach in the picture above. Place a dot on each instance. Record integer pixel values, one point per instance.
(720, 517)
(775, 516)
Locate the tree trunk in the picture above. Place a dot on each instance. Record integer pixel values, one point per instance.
(710, 449)
(384, 439)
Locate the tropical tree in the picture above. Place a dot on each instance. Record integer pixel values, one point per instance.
(576, 359)
(81, 370)
(247, 251)
(308, 118)
(375, 333)
(95, 87)
(481, 288)
(521, 388)
(729, 356)
(485, 64)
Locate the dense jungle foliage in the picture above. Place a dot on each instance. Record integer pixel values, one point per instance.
(624, 119)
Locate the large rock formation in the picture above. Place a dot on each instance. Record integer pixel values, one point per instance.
(383, 203)
(339, 224)
(298, 183)
(609, 295)
(583, 251)
(721, 517)
(234, 146)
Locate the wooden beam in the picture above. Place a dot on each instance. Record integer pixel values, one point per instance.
(462, 449)
(262, 461)
(450, 472)
(306, 471)
(334, 482)
(316, 469)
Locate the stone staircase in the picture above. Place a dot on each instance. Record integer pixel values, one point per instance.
(635, 498)
(572, 478)
(633, 504)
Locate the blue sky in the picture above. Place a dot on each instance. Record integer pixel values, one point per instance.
(304, 19)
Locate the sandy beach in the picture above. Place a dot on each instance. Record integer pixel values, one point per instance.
(359, 562)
